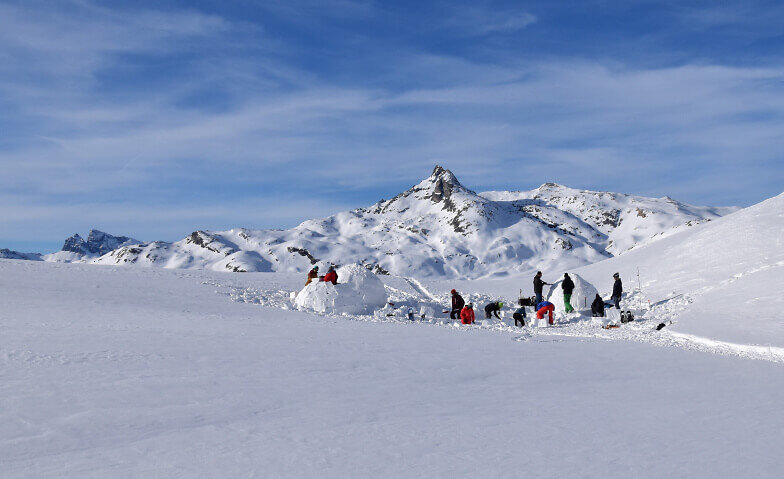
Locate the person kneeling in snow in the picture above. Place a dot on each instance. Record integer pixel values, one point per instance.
(519, 314)
(331, 276)
(545, 307)
(313, 274)
(597, 307)
(492, 309)
(467, 314)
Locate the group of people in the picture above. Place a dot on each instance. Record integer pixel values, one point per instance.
(542, 307)
(330, 277)
(465, 311)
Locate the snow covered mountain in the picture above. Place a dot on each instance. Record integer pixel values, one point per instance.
(97, 244)
(6, 253)
(439, 228)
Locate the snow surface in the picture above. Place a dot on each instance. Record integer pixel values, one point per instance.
(122, 372)
(358, 292)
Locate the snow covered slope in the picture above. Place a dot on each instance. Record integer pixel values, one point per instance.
(615, 220)
(720, 280)
(438, 228)
(126, 373)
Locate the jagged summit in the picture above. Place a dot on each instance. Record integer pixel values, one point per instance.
(97, 244)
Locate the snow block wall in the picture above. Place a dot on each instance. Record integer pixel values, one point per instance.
(582, 296)
(358, 291)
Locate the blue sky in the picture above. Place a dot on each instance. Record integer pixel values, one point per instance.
(153, 119)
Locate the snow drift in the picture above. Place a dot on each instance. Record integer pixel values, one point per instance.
(582, 296)
(358, 291)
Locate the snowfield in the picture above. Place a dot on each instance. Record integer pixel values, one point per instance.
(133, 372)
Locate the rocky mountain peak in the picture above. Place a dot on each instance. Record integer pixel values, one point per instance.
(98, 243)
(74, 244)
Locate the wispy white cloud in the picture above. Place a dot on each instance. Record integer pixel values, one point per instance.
(483, 20)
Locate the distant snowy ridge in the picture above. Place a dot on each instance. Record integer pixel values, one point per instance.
(97, 244)
(6, 253)
(438, 228)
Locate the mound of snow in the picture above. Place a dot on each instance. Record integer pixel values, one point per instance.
(358, 291)
(582, 296)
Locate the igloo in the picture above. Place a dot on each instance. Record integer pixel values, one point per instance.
(582, 296)
(358, 291)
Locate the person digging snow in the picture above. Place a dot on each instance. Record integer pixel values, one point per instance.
(519, 314)
(538, 285)
(568, 287)
(492, 309)
(457, 305)
(597, 307)
(331, 276)
(545, 307)
(313, 274)
(467, 314)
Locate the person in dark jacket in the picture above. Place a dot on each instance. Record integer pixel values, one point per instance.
(538, 284)
(331, 276)
(597, 307)
(492, 309)
(568, 286)
(617, 291)
(457, 305)
(519, 314)
(313, 274)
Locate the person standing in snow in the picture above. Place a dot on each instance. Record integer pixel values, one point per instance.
(467, 314)
(597, 307)
(457, 305)
(331, 276)
(492, 309)
(617, 291)
(313, 274)
(568, 286)
(519, 314)
(545, 307)
(538, 284)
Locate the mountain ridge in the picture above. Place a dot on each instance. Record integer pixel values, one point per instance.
(438, 228)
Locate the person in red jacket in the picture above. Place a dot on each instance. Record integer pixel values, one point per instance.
(331, 276)
(545, 307)
(467, 314)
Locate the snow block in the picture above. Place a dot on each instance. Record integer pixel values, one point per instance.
(358, 291)
(582, 296)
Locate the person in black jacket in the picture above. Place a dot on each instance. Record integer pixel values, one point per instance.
(568, 286)
(538, 284)
(493, 309)
(457, 305)
(617, 291)
(519, 314)
(597, 307)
